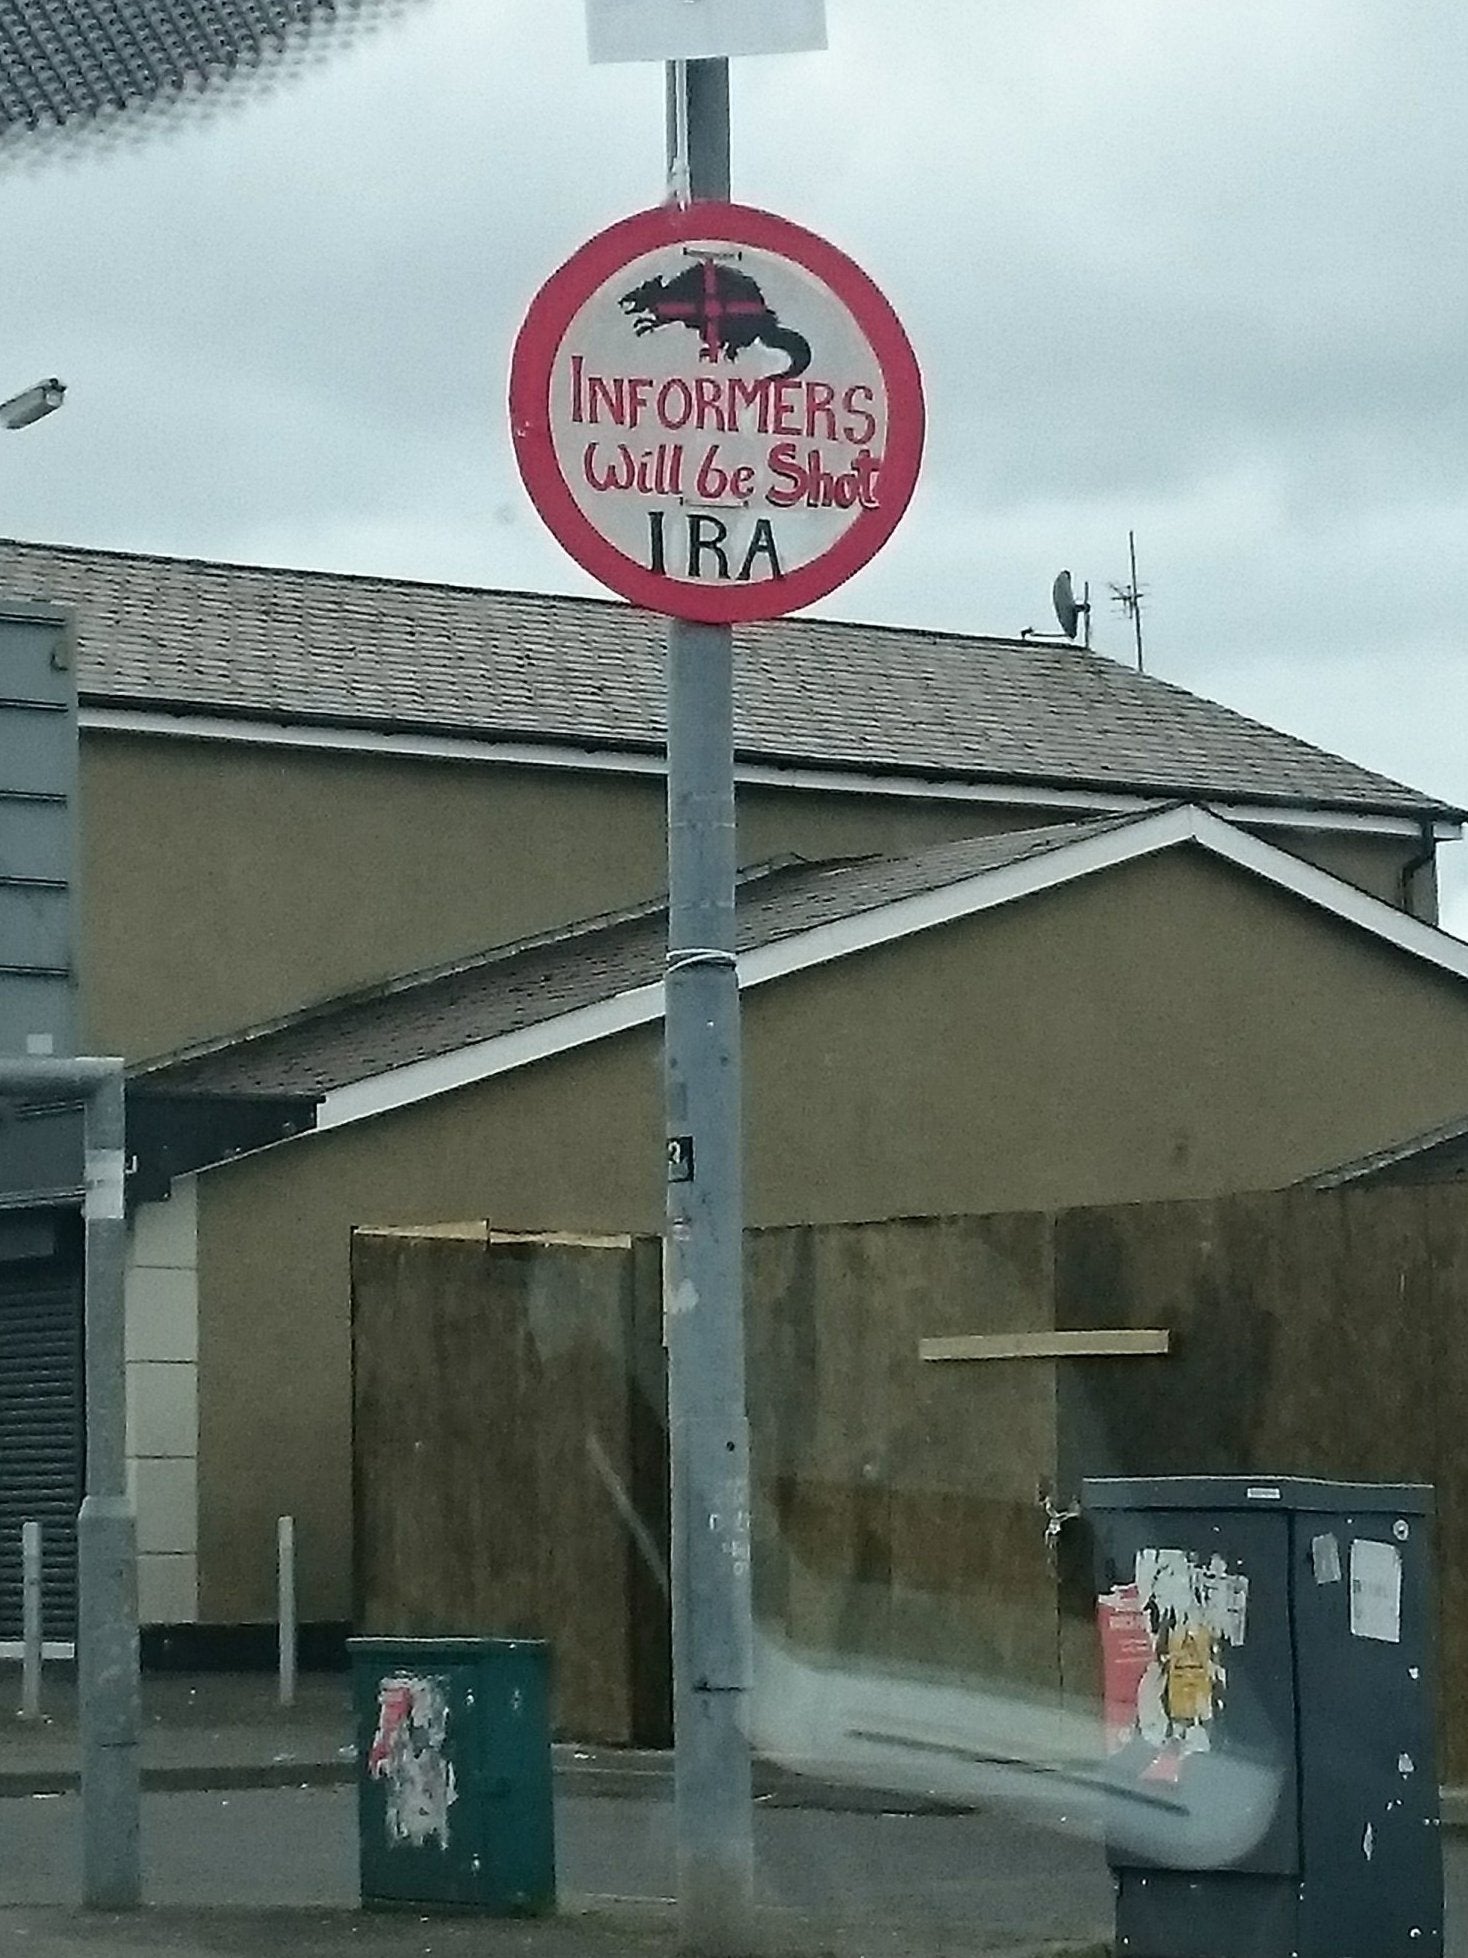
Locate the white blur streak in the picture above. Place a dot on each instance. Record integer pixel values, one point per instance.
(973, 1745)
(218, 76)
(641, 1535)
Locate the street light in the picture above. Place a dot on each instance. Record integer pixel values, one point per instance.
(32, 406)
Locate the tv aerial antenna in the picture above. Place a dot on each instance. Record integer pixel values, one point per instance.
(1129, 598)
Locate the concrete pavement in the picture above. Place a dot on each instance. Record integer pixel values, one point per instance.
(241, 1870)
(603, 1930)
(208, 1730)
(227, 1730)
(245, 1869)
(267, 1856)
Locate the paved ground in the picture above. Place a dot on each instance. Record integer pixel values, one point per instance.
(298, 1848)
(199, 1730)
(250, 1848)
(227, 1730)
(606, 1932)
(247, 1871)
(250, 1845)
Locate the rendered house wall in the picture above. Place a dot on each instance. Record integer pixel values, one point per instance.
(1171, 1029)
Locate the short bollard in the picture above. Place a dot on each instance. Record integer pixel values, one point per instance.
(285, 1549)
(32, 1651)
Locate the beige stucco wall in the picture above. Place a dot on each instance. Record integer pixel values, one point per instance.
(224, 885)
(1372, 863)
(1173, 1028)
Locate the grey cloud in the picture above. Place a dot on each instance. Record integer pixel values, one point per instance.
(1191, 269)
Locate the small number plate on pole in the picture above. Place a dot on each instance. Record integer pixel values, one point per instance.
(680, 1158)
(701, 30)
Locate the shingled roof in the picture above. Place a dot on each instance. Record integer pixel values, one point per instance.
(1438, 1155)
(423, 1015)
(515, 1004)
(180, 635)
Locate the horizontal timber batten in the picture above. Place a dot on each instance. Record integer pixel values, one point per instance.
(1121, 1343)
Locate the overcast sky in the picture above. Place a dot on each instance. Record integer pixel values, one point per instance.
(1189, 266)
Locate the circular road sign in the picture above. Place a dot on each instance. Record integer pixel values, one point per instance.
(717, 413)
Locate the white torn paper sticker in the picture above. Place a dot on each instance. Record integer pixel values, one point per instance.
(1376, 1591)
(1325, 1559)
(106, 1171)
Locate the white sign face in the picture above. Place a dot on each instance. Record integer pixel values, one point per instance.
(701, 30)
(642, 418)
(717, 413)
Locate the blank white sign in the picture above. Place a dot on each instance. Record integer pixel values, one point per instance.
(701, 30)
(1376, 1591)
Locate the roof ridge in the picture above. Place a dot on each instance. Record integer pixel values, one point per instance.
(315, 572)
(553, 1008)
(873, 700)
(1058, 834)
(376, 990)
(398, 582)
(567, 937)
(1363, 1168)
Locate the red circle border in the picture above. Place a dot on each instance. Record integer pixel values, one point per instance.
(532, 367)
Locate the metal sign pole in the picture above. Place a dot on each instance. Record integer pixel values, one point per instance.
(708, 1430)
(108, 1693)
(107, 1568)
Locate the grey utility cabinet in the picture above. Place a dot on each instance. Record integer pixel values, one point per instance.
(1267, 1648)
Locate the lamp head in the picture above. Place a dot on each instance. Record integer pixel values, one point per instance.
(32, 406)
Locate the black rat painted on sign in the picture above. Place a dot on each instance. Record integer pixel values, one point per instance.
(726, 308)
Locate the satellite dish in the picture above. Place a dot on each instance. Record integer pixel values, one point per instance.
(1069, 610)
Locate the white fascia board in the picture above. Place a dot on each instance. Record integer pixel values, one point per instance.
(888, 923)
(1333, 894)
(419, 1080)
(364, 741)
(906, 916)
(798, 953)
(818, 781)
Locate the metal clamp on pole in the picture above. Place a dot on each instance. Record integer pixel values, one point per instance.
(684, 960)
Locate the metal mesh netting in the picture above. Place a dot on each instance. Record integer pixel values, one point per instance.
(89, 68)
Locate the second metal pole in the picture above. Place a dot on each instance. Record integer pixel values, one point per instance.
(708, 1430)
(107, 1632)
(31, 1632)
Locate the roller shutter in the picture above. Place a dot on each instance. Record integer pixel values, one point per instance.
(42, 1421)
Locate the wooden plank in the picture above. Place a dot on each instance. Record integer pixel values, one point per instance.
(573, 1240)
(1119, 1342)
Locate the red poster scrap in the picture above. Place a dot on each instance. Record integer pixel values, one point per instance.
(1127, 1651)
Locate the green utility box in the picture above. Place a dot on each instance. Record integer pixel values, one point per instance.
(454, 1802)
